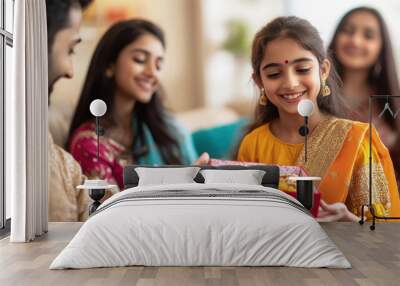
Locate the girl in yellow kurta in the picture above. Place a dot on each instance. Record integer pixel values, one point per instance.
(290, 64)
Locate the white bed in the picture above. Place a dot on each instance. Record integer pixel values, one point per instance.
(203, 225)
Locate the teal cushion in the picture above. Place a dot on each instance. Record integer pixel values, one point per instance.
(220, 141)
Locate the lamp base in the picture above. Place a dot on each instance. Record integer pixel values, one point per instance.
(97, 190)
(96, 195)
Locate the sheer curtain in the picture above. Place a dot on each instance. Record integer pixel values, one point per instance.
(26, 118)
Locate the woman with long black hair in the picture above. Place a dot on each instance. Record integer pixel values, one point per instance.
(125, 73)
(362, 53)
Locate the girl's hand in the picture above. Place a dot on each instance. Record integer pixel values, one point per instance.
(335, 212)
(203, 159)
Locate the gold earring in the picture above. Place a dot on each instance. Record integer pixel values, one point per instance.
(326, 91)
(263, 98)
(109, 73)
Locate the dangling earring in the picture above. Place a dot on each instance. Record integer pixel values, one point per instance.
(326, 91)
(263, 98)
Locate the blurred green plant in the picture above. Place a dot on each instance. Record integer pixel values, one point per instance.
(238, 40)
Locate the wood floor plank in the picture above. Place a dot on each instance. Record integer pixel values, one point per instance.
(131, 276)
(375, 258)
(212, 272)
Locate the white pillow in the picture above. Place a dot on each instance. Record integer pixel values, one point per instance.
(163, 176)
(248, 177)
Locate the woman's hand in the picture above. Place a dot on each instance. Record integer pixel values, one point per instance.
(335, 212)
(203, 159)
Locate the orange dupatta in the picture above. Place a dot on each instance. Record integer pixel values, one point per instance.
(338, 153)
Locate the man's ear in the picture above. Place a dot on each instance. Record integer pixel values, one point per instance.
(325, 69)
(257, 80)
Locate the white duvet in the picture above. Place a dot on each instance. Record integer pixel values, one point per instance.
(205, 230)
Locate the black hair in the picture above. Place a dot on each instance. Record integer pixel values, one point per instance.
(57, 13)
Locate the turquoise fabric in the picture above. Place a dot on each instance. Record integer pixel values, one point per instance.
(153, 156)
(220, 141)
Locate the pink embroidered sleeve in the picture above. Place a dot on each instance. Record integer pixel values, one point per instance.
(84, 150)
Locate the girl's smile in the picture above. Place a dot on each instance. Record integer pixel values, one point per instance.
(293, 97)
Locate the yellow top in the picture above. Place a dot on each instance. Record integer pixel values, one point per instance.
(265, 147)
(338, 152)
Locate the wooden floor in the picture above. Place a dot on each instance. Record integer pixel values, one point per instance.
(374, 255)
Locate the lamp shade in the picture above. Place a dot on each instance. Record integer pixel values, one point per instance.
(98, 107)
(305, 107)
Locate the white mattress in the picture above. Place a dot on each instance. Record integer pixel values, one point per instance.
(207, 230)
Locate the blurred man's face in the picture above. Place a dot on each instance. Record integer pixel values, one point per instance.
(62, 49)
